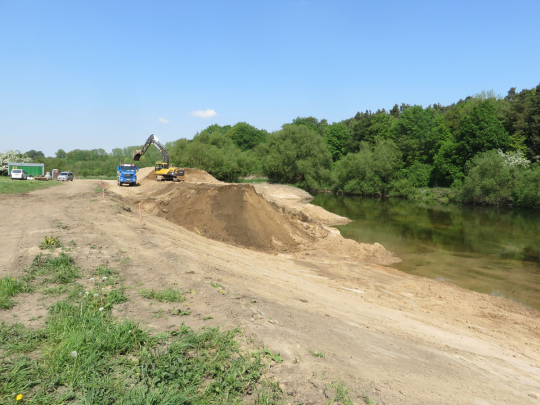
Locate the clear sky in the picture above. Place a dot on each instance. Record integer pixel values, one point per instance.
(106, 74)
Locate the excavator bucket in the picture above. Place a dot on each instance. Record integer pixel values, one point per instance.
(136, 154)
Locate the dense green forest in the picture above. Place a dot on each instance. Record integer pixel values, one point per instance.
(484, 149)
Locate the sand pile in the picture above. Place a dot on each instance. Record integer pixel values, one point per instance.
(190, 176)
(232, 213)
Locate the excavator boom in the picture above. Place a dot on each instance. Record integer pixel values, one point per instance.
(151, 140)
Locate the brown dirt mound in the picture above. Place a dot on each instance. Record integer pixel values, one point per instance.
(191, 176)
(232, 213)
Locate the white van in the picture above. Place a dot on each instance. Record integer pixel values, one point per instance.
(18, 174)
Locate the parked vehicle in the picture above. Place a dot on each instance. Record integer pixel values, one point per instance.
(65, 176)
(18, 174)
(126, 174)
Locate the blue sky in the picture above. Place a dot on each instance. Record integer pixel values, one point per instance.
(106, 74)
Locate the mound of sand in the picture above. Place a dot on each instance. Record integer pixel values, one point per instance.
(190, 176)
(232, 213)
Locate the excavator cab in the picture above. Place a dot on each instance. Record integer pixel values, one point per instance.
(161, 166)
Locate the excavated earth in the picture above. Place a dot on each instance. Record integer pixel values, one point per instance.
(287, 278)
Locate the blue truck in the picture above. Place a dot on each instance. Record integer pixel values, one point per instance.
(126, 174)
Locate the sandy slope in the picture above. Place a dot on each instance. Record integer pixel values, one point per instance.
(400, 338)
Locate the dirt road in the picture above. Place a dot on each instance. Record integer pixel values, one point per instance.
(398, 338)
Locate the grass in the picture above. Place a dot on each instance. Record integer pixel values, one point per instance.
(9, 288)
(95, 177)
(8, 186)
(167, 295)
(50, 242)
(252, 180)
(316, 353)
(58, 270)
(85, 355)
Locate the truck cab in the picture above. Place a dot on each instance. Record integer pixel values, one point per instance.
(126, 174)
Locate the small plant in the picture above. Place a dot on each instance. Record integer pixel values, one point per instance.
(72, 243)
(276, 357)
(180, 312)
(206, 318)
(60, 225)
(125, 260)
(10, 287)
(168, 295)
(316, 353)
(216, 285)
(50, 242)
(55, 291)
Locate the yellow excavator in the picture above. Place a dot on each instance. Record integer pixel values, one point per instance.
(163, 171)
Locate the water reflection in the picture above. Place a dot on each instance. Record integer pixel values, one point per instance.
(491, 250)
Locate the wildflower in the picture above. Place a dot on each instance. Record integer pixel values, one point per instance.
(18, 397)
(87, 292)
(73, 353)
(102, 308)
(80, 293)
(104, 278)
(222, 291)
(103, 289)
(187, 303)
(96, 295)
(92, 279)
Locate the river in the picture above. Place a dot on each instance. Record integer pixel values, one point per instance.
(491, 250)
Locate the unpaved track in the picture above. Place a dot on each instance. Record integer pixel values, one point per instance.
(400, 338)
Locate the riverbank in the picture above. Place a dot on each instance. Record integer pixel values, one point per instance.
(398, 338)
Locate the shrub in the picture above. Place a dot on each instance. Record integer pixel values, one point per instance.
(297, 155)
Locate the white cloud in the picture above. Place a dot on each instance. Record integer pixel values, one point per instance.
(204, 114)
(163, 120)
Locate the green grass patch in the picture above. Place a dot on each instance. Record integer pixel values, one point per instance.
(50, 242)
(59, 270)
(84, 355)
(55, 290)
(316, 353)
(252, 180)
(8, 186)
(168, 295)
(10, 287)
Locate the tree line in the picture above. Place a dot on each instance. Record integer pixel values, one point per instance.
(485, 148)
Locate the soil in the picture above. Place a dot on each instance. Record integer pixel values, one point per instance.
(287, 279)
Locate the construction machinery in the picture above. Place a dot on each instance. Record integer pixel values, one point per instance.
(162, 170)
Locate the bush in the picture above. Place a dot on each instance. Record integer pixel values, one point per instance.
(488, 181)
(297, 155)
(370, 171)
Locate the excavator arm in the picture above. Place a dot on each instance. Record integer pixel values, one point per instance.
(151, 140)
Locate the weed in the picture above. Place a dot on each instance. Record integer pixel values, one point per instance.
(125, 260)
(56, 290)
(62, 269)
(276, 357)
(50, 242)
(316, 353)
(60, 225)
(168, 295)
(158, 314)
(179, 311)
(216, 285)
(206, 318)
(339, 392)
(72, 243)
(10, 287)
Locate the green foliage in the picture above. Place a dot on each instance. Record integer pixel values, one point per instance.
(370, 171)
(480, 131)
(489, 181)
(8, 186)
(246, 136)
(59, 270)
(10, 287)
(167, 295)
(336, 139)
(297, 155)
(50, 242)
(11, 156)
(214, 152)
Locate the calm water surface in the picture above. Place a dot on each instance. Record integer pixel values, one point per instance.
(490, 250)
